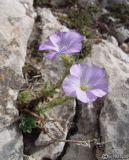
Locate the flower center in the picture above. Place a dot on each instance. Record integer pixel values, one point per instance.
(84, 87)
(66, 57)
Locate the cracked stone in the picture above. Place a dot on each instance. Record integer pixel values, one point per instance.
(114, 115)
(15, 30)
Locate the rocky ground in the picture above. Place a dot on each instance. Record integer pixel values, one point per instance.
(23, 25)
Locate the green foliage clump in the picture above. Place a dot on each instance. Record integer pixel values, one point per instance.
(41, 3)
(27, 123)
(39, 109)
(120, 11)
(86, 50)
(81, 19)
(25, 96)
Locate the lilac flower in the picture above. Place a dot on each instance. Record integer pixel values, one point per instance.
(62, 43)
(86, 82)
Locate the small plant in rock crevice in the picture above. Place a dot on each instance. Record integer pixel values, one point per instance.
(85, 82)
(120, 11)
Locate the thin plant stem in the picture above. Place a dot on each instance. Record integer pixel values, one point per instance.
(78, 142)
(84, 143)
(55, 102)
(57, 85)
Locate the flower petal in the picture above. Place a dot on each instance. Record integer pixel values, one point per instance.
(73, 36)
(98, 73)
(47, 45)
(73, 48)
(91, 73)
(100, 89)
(71, 42)
(51, 55)
(63, 42)
(85, 97)
(70, 84)
(67, 42)
(75, 70)
(56, 38)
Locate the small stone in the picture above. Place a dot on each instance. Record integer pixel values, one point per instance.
(113, 40)
(112, 2)
(121, 34)
(125, 47)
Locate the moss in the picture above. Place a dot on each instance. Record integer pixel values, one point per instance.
(25, 96)
(27, 123)
(80, 19)
(70, 2)
(47, 3)
(86, 50)
(120, 11)
(41, 3)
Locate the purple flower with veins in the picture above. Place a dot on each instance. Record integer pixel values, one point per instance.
(62, 43)
(86, 82)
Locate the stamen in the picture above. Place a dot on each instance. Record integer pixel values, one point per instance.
(65, 57)
(84, 87)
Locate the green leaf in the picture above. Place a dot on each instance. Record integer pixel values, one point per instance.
(27, 123)
(25, 96)
(39, 108)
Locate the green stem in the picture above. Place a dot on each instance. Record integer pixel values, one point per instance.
(55, 102)
(51, 91)
(59, 82)
(68, 61)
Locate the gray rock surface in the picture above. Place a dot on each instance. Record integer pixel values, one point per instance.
(114, 115)
(50, 24)
(112, 2)
(108, 117)
(11, 147)
(121, 33)
(45, 147)
(113, 40)
(87, 129)
(16, 23)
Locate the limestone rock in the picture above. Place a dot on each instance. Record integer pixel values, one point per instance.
(125, 47)
(87, 129)
(114, 115)
(122, 34)
(48, 147)
(11, 144)
(113, 40)
(50, 24)
(16, 24)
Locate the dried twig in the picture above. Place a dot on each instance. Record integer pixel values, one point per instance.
(78, 142)
(84, 143)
